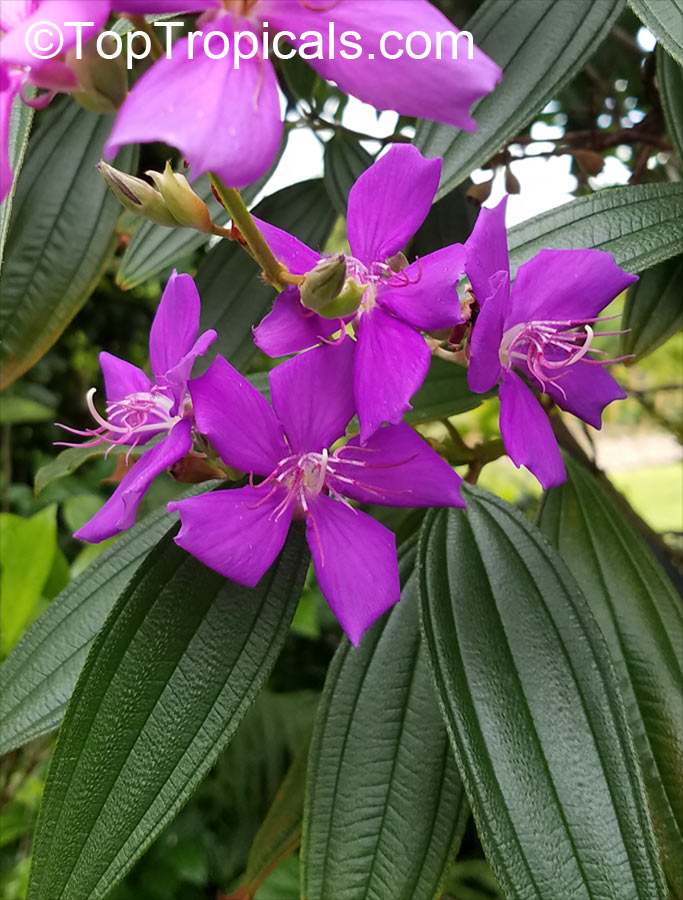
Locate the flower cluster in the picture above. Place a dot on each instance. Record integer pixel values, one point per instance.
(360, 327)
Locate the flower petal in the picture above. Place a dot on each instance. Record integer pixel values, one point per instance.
(237, 419)
(440, 89)
(9, 88)
(390, 201)
(122, 378)
(297, 256)
(16, 43)
(355, 563)
(485, 368)
(289, 328)
(425, 294)
(487, 250)
(527, 434)
(312, 395)
(118, 513)
(566, 285)
(223, 119)
(175, 324)
(234, 532)
(392, 361)
(152, 7)
(396, 467)
(585, 390)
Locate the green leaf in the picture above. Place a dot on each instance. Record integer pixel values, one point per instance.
(533, 710)
(168, 679)
(641, 618)
(653, 309)
(27, 550)
(670, 76)
(39, 675)
(67, 462)
(540, 47)
(16, 409)
(385, 809)
(663, 18)
(61, 236)
(445, 392)
(233, 296)
(345, 161)
(641, 225)
(154, 248)
(21, 119)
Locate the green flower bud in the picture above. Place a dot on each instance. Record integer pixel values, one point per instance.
(185, 206)
(103, 83)
(137, 196)
(346, 303)
(324, 283)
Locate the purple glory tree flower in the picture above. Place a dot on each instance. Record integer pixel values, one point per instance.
(140, 408)
(541, 328)
(240, 532)
(387, 205)
(226, 118)
(27, 23)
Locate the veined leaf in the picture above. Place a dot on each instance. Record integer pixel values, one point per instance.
(39, 675)
(663, 18)
(233, 296)
(171, 674)
(345, 161)
(533, 709)
(61, 236)
(641, 618)
(540, 46)
(21, 119)
(641, 225)
(670, 77)
(653, 310)
(385, 809)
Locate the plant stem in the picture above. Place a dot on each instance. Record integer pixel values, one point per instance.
(242, 218)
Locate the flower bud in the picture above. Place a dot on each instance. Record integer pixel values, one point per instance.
(324, 283)
(137, 196)
(185, 206)
(346, 303)
(103, 83)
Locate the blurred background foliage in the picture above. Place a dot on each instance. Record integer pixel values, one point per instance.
(610, 111)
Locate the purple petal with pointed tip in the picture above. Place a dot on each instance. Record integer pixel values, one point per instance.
(118, 513)
(561, 285)
(584, 390)
(289, 328)
(487, 250)
(122, 378)
(355, 563)
(312, 395)
(485, 369)
(175, 324)
(296, 256)
(222, 119)
(237, 419)
(440, 89)
(390, 201)
(396, 467)
(234, 532)
(392, 361)
(425, 294)
(527, 434)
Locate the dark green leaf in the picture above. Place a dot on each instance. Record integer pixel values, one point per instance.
(533, 709)
(445, 392)
(169, 677)
(16, 409)
(68, 461)
(345, 161)
(385, 808)
(653, 309)
(450, 221)
(61, 236)
(39, 675)
(233, 296)
(664, 18)
(641, 225)
(641, 618)
(154, 248)
(21, 119)
(670, 76)
(540, 46)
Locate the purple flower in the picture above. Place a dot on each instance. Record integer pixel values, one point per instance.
(541, 329)
(18, 68)
(228, 120)
(240, 532)
(139, 408)
(387, 205)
